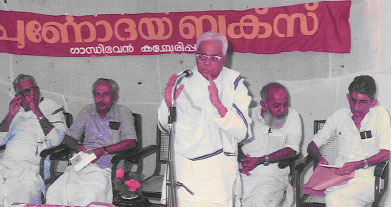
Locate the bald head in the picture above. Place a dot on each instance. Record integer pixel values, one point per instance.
(275, 99)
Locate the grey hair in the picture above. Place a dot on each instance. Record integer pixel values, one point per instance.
(265, 95)
(213, 36)
(114, 86)
(20, 78)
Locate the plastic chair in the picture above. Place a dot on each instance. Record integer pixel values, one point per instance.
(329, 151)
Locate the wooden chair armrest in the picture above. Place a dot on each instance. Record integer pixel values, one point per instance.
(59, 152)
(62, 153)
(380, 169)
(133, 154)
(288, 160)
(52, 150)
(303, 163)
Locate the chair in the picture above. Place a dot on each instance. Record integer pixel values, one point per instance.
(329, 150)
(47, 152)
(63, 153)
(151, 187)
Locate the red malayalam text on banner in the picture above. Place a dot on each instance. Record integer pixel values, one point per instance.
(319, 27)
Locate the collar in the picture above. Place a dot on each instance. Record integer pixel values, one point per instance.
(366, 117)
(203, 79)
(110, 114)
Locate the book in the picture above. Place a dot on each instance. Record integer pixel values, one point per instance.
(330, 166)
(82, 159)
(324, 177)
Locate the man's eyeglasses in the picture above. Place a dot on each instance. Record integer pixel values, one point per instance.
(212, 59)
(26, 91)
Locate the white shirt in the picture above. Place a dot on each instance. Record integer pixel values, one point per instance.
(266, 140)
(351, 147)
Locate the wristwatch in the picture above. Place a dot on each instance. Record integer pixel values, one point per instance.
(106, 152)
(366, 165)
(40, 118)
(266, 161)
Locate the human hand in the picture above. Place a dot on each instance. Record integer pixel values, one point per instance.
(31, 104)
(323, 161)
(249, 163)
(98, 152)
(168, 91)
(15, 105)
(214, 97)
(348, 168)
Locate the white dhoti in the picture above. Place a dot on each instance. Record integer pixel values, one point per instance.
(81, 188)
(261, 190)
(19, 174)
(358, 192)
(18, 187)
(211, 180)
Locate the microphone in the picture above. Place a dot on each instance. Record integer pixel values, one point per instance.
(184, 74)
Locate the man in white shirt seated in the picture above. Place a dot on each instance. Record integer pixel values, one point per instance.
(31, 125)
(364, 137)
(277, 133)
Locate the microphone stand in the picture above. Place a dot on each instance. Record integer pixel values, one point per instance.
(171, 182)
(171, 179)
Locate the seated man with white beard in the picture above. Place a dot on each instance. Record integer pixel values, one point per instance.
(277, 134)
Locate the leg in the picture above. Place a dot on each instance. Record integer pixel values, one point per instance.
(90, 184)
(197, 204)
(56, 192)
(260, 191)
(353, 194)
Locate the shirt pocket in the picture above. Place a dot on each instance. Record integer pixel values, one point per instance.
(115, 135)
(368, 146)
(343, 142)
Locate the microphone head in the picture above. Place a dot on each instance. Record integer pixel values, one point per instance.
(187, 73)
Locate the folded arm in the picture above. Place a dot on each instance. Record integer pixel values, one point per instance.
(234, 119)
(249, 163)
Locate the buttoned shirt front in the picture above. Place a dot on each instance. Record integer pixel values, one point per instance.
(116, 127)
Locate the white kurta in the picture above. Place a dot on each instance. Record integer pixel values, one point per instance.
(205, 144)
(19, 165)
(266, 184)
(359, 190)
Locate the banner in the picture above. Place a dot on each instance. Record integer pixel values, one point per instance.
(320, 27)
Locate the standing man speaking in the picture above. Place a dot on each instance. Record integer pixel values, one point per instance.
(212, 117)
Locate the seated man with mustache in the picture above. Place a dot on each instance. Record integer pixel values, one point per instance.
(107, 127)
(31, 125)
(363, 141)
(277, 134)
